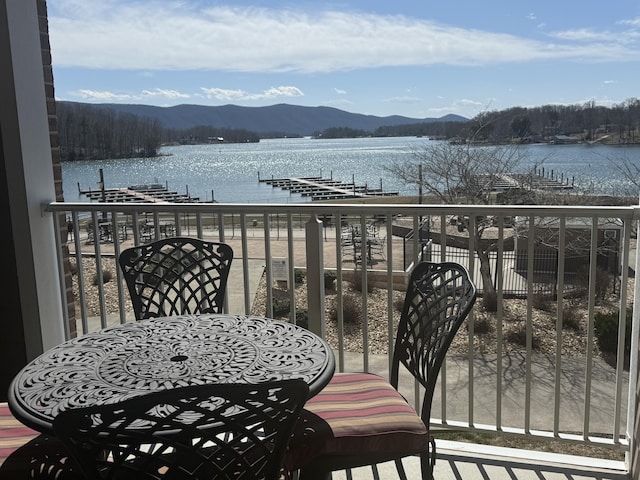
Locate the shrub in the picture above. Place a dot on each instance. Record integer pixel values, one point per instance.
(606, 330)
(298, 276)
(398, 304)
(351, 310)
(518, 336)
(302, 318)
(73, 267)
(542, 301)
(107, 275)
(603, 282)
(357, 282)
(481, 325)
(281, 307)
(571, 318)
(329, 280)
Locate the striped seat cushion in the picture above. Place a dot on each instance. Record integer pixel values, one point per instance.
(356, 413)
(13, 434)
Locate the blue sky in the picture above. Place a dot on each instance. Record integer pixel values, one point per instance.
(414, 58)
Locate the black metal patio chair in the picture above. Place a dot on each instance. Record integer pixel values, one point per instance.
(44, 457)
(360, 418)
(212, 431)
(175, 276)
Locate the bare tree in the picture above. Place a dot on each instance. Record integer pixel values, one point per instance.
(467, 174)
(630, 172)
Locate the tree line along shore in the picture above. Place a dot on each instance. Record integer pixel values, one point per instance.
(87, 132)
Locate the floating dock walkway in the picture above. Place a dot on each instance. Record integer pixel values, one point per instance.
(319, 188)
(148, 193)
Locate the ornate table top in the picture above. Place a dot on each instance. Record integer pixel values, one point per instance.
(121, 362)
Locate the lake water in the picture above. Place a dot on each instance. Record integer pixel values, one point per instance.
(230, 172)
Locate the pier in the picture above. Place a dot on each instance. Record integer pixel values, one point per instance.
(148, 193)
(319, 188)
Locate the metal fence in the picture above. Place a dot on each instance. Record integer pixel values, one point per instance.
(515, 274)
(544, 396)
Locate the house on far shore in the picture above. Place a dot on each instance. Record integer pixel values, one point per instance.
(564, 140)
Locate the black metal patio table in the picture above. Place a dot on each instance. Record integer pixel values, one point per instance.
(132, 359)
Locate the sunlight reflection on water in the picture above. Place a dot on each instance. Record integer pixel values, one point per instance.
(230, 171)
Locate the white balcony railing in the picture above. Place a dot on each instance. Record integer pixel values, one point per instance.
(505, 374)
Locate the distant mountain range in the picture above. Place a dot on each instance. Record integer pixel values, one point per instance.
(281, 118)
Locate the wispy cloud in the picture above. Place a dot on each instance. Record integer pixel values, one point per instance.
(173, 35)
(405, 99)
(220, 94)
(463, 106)
(163, 93)
(237, 95)
(107, 96)
(629, 35)
(103, 96)
(340, 103)
(634, 22)
(583, 34)
(469, 103)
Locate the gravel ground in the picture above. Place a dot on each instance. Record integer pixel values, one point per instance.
(377, 302)
(574, 340)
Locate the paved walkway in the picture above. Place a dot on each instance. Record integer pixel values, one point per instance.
(236, 283)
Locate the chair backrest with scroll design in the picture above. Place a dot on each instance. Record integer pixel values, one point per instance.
(438, 299)
(360, 418)
(199, 432)
(175, 276)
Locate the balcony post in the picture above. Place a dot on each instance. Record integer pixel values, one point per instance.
(315, 276)
(634, 441)
(633, 419)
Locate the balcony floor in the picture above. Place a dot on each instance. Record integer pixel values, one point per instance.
(458, 461)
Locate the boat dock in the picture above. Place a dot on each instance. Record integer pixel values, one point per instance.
(319, 188)
(148, 193)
